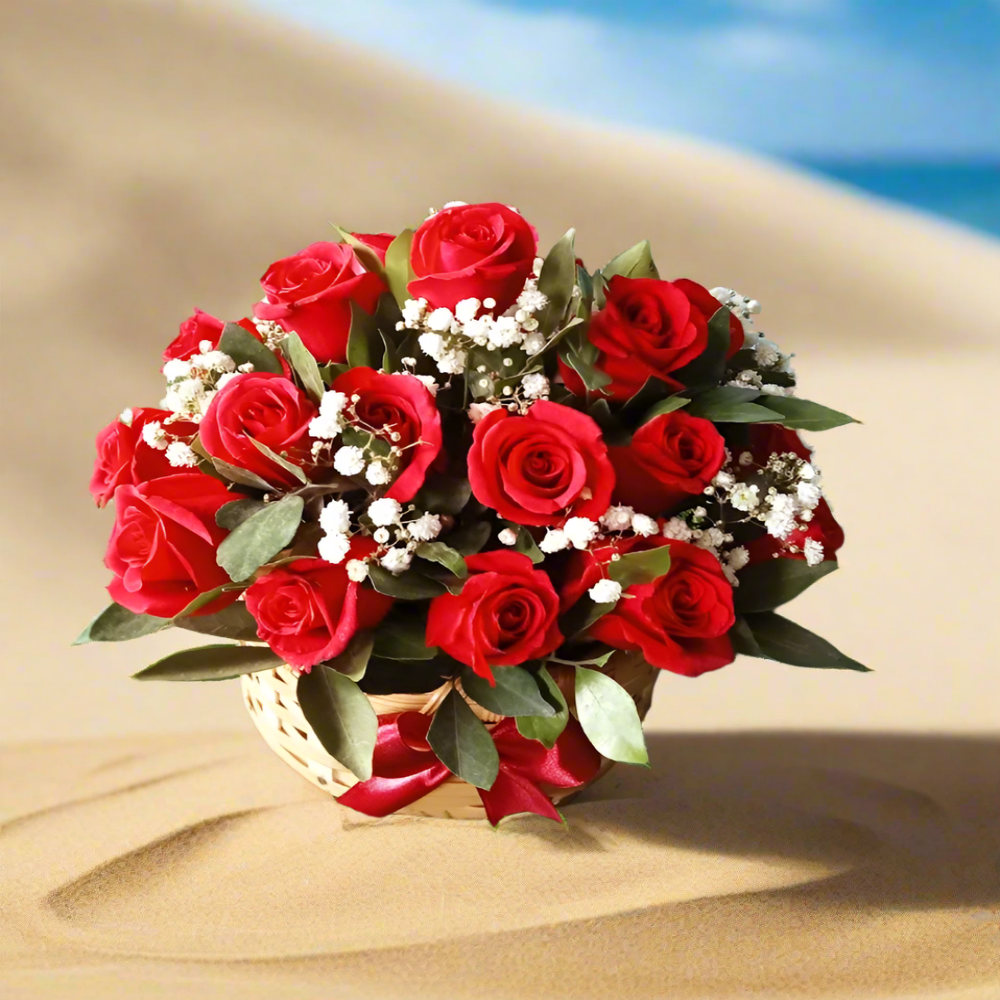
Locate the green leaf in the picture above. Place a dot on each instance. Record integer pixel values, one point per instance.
(443, 494)
(710, 366)
(398, 272)
(232, 515)
(609, 717)
(403, 636)
(408, 586)
(197, 603)
(443, 555)
(242, 476)
(304, 365)
(730, 404)
(582, 615)
(390, 356)
(118, 624)
(279, 460)
(783, 640)
(234, 622)
(803, 415)
(470, 538)
(365, 347)
(353, 661)
(369, 259)
(525, 543)
(244, 348)
(546, 728)
(516, 692)
(557, 280)
(769, 584)
(210, 663)
(341, 716)
(742, 638)
(667, 405)
(653, 390)
(636, 262)
(462, 743)
(640, 567)
(593, 378)
(260, 537)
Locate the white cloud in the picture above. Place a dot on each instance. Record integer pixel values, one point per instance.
(773, 85)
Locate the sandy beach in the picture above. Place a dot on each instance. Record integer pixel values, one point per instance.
(807, 833)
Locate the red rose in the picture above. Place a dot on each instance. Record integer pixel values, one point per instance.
(648, 328)
(506, 614)
(266, 407)
(311, 293)
(768, 439)
(679, 621)
(540, 468)
(309, 610)
(162, 549)
(196, 329)
(702, 299)
(472, 252)
(123, 458)
(399, 404)
(671, 457)
(379, 242)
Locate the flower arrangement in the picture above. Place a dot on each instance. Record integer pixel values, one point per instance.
(440, 462)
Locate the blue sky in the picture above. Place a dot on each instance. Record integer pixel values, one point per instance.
(820, 78)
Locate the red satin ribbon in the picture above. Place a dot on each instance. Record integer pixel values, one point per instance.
(405, 769)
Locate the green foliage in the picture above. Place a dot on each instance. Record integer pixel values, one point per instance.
(368, 257)
(443, 555)
(609, 717)
(304, 365)
(408, 586)
(210, 663)
(234, 622)
(636, 262)
(777, 638)
(353, 661)
(769, 584)
(402, 635)
(279, 460)
(243, 477)
(730, 404)
(342, 717)
(365, 347)
(546, 728)
(233, 514)
(516, 692)
(443, 494)
(118, 624)
(803, 415)
(640, 567)
(462, 743)
(582, 615)
(260, 537)
(244, 348)
(470, 537)
(557, 280)
(710, 366)
(667, 405)
(525, 543)
(398, 272)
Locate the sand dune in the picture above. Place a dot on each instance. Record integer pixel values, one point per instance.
(158, 156)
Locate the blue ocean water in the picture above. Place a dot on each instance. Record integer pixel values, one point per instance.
(968, 193)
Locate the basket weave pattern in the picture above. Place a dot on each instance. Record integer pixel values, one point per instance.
(272, 703)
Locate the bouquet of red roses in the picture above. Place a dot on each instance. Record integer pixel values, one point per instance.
(440, 462)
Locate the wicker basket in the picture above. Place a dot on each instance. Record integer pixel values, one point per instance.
(272, 703)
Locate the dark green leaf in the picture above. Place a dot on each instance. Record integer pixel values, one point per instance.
(640, 567)
(368, 257)
(403, 676)
(233, 514)
(710, 366)
(667, 405)
(742, 638)
(636, 262)
(234, 622)
(546, 729)
(408, 586)
(609, 717)
(397, 266)
(769, 584)
(390, 356)
(462, 743)
(653, 390)
(365, 347)
(341, 716)
(803, 415)
(198, 602)
(730, 404)
(244, 348)
(593, 378)
(443, 494)
(443, 555)
(304, 365)
(516, 692)
(582, 615)
(260, 537)
(353, 661)
(783, 640)
(118, 624)
(470, 538)
(291, 467)
(242, 476)
(557, 280)
(210, 663)
(402, 636)
(525, 543)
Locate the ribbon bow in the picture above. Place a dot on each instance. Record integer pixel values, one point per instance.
(405, 769)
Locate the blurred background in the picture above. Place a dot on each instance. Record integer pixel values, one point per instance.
(836, 159)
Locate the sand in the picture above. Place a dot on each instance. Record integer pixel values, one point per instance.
(157, 157)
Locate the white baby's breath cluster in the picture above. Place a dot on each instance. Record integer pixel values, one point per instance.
(768, 357)
(396, 531)
(696, 527)
(447, 336)
(192, 383)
